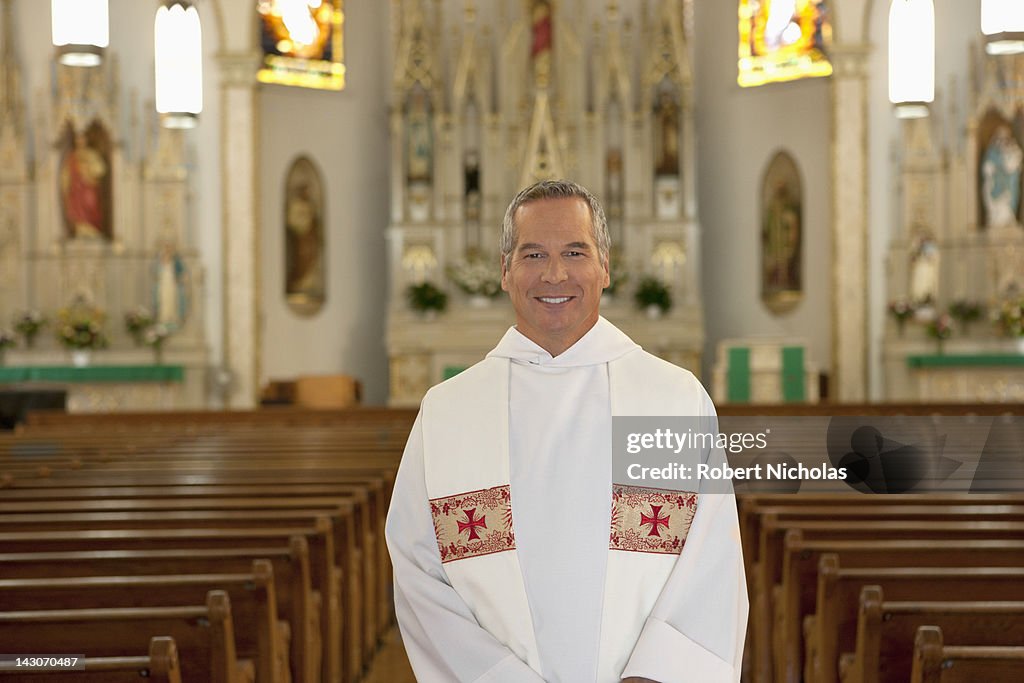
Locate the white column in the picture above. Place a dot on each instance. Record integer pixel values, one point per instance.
(241, 235)
(850, 226)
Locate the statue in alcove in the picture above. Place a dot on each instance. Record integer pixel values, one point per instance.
(924, 273)
(170, 297)
(85, 183)
(471, 169)
(666, 127)
(419, 139)
(1000, 178)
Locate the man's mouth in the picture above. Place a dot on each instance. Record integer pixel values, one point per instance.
(554, 299)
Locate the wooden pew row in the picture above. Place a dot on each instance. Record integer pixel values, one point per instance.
(832, 629)
(935, 662)
(285, 416)
(161, 665)
(767, 581)
(297, 602)
(258, 634)
(798, 591)
(325, 577)
(361, 617)
(160, 492)
(203, 634)
(886, 631)
(773, 614)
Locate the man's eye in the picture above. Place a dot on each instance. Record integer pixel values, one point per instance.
(533, 255)
(574, 253)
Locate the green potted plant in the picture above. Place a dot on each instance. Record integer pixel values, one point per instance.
(965, 312)
(28, 324)
(426, 299)
(653, 296)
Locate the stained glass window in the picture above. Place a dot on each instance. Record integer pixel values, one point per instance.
(783, 40)
(301, 41)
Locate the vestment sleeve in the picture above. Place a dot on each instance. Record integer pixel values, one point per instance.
(441, 636)
(696, 630)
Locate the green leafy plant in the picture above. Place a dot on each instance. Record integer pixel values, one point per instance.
(425, 297)
(28, 324)
(1010, 318)
(651, 291)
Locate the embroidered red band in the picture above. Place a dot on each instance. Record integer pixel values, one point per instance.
(473, 524)
(646, 520)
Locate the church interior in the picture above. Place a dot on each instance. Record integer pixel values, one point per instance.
(241, 239)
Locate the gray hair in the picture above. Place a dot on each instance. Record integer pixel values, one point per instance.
(554, 189)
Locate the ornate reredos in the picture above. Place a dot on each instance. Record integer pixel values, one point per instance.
(142, 197)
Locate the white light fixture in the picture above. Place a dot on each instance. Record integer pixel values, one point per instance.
(178, 50)
(1002, 22)
(80, 30)
(911, 57)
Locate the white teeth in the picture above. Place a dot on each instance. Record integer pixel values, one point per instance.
(555, 300)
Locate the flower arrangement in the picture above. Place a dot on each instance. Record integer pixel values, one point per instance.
(28, 324)
(80, 326)
(137, 321)
(940, 329)
(902, 310)
(155, 336)
(426, 297)
(1010, 318)
(965, 312)
(652, 292)
(476, 275)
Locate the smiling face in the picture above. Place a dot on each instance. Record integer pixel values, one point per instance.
(556, 274)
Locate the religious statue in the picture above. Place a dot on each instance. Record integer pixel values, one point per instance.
(419, 139)
(169, 295)
(1001, 177)
(666, 127)
(540, 46)
(924, 273)
(781, 242)
(83, 173)
(304, 247)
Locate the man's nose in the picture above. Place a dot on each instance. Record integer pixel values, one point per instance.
(555, 271)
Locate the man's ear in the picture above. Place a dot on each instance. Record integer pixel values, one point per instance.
(607, 273)
(504, 273)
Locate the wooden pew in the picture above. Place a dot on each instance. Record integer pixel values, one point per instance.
(325, 577)
(367, 594)
(935, 662)
(797, 592)
(832, 629)
(159, 666)
(785, 667)
(886, 631)
(258, 634)
(204, 635)
(297, 602)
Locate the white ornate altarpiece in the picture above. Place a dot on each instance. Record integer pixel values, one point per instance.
(960, 239)
(94, 207)
(489, 97)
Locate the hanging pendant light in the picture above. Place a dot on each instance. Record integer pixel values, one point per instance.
(911, 57)
(80, 30)
(1002, 22)
(179, 63)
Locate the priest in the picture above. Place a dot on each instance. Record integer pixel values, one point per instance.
(516, 557)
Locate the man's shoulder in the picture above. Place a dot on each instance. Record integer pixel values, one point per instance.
(465, 382)
(647, 366)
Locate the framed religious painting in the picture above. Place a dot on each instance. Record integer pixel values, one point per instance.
(782, 211)
(305, 284)
(302, 42)
(84, 182)
(783, 40)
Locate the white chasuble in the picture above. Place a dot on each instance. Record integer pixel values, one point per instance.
(541, 569)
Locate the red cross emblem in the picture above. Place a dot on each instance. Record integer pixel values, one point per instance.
(654, 520)
(471, 524)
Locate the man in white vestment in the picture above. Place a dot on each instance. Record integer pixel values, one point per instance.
(516, 559)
